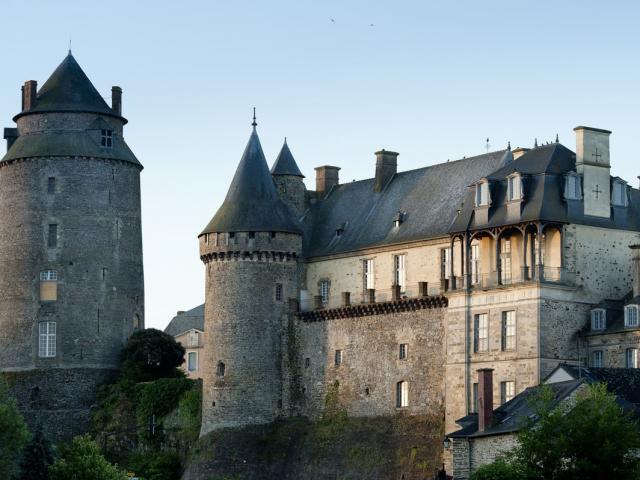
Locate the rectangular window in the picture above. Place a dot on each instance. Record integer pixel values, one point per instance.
(509, 330)
(106, 138)
(192, 361)
(47, 340)
(402, 394)
(48, 286)
(52, 236)
(631, 316)
(475, 263)
(278, 292)
(51, 185)
(572, 187)
(193, 340)
(368, 280)
(482, 194)
(507, 391)
(474, 399)
(514, 188)
(481, 333)
(338, 358)
(598, 319)
(324, 291)
(597, 359)
(505, 260)
(619, 196)
(402, 353)
(445, 263)
(399, 276)
(632, 358)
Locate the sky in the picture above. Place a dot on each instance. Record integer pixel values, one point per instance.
(339, 79)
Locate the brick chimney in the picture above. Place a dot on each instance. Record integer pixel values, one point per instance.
(635, 265)
(386, 167)
(116, 100)
(29, 95)
(326, 177)
(485, 398)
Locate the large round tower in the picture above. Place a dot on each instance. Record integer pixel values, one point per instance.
(250, 250)
(71, 279)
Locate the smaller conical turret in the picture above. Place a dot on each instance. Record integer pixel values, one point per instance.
(285, 164)
(288, 180)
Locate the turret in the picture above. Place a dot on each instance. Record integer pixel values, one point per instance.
(288, 180)
(250, 250)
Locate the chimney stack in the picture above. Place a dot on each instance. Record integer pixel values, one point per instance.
(10, 135)
(518, 152)
(116, 100)
(386, 167)
(593, 163)
(635, 265)
(485, 398)
(29, 95)
(326, 177)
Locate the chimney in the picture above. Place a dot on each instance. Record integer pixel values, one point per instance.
(29, 95)
(593, 163)
(10, 135)
(518, 152)
(635, 265)
(485, 398)
(386, 167)
(116, 100)
(326, 177)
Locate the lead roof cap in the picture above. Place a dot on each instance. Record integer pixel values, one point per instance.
(285, 164)
(252, 203)
(68, 89)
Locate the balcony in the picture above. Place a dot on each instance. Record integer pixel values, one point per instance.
(538, 274)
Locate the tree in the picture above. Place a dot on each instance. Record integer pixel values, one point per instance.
(36, 458)
(151, 354)
(498, 470)
(13, 433)
(82, 460)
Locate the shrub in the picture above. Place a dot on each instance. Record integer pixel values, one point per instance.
(82, 460)
(36, 458)
(498, 470)
(13, 433)
(156, 465)
(160, 397)
(151, 354)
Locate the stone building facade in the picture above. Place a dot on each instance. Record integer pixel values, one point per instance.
(188, 329)
(70, 248)
(387, 294)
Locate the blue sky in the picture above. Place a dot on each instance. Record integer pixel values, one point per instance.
(431, 80)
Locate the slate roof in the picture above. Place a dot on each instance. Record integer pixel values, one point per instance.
(185, 321)
(543, 169)
(252, 203)
(285, 164)
(428, 197)
(68, 89)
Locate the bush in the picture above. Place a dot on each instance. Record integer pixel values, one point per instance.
(13, 433)
(156, 465)
(82, 460)
(160, 397)
(36, 459)
(498, 470)
(151, 354)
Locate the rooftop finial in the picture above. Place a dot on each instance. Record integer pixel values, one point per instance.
(254, 123)
(557, 140)
(535, 143)
(69, 46)
(509, 145)
(285, 140)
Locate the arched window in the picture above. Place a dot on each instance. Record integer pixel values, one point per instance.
(402, 394)
(220, 369)
(136, 321)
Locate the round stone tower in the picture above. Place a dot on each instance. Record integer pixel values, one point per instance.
(71, 278)
(250, 250)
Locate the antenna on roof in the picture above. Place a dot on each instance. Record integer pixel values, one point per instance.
(535, 143)
(557, 140)
(487, 145)
(254, 123)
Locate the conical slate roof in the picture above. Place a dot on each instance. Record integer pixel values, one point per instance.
(68, 89)
(252, 203)
(285, 164)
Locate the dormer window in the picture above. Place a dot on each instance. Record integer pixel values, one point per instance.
(514, 187)
(340, 229)
(631, 316)
(598, 319)
(398, 219)
(106, 138)
(619, 193)
(573, 187)
(482, 194)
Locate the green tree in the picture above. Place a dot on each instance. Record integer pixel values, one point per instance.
(82, 460)
(151, 354)
(13, 433)
(36, 458)
(498, 470)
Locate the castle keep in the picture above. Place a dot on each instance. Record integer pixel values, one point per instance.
(70, 248)
(388, 294)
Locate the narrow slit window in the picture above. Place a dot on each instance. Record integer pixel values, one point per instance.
(338, 358)
(51, 185)
(278, 292)
(402, 352)
(52, 235)
(402, 394)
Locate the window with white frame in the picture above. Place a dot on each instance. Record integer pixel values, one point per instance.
(482, 194)
(631, 316)
(399, 275)
(598, 319)
(509, 330)
(631, 358)
(475, 263)
(192, 361)
(403, 351)
(597, 359)
(572, 187)
(368, 275)
(106, 138)
(507, 391)
(445, 263)
(402, 394)
(514, 188)
(47, 340)
(48, 286)
(481, 333)
(505, 259)
(193, 339)
(619, 193)
(324, 291)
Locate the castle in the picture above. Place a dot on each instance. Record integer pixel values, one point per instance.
(392, 292)
(71, 279)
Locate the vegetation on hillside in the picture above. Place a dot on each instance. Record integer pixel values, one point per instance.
(13, 434)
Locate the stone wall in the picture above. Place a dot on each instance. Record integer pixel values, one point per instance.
(614, 346)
